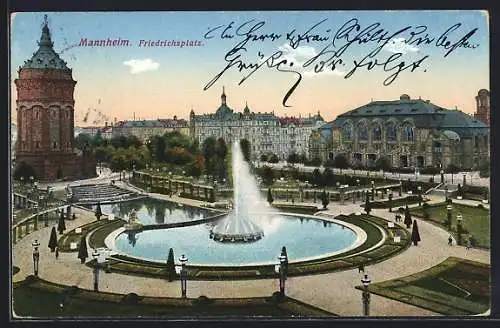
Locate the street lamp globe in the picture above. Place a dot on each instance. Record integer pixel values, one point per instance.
(35, 244)
(95, 254)
(282, 258)
(373, 182)
(419, 188)
(183, 259)
(449, 207)
(365, 281)
(459, 218)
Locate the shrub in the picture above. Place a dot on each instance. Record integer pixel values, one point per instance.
(202, 300)
(131, 298)
(277, 297)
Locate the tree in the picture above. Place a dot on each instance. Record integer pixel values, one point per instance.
(221, 148)
(268, 175)
(316, 161)
(340, 162)
(293, 158)
(407, 220)
(160, 149)
(368, 205)
(263, 158)
(452, 168)
(171, 265)
(484, 169)
(83, 141)
(316, 177)
(53, 240)
(325, 199)
(329, 177)
(246, 149)
(61, 226)
(98, 211)
(283, 252)
(82, 251)
(329, 163)
(383, 163)
(415, 236)
(270, 198)
(274, 159)
(208, 151)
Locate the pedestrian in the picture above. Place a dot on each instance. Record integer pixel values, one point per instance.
(450, 241)
(57, 253)
(361, 267)
(469, 243)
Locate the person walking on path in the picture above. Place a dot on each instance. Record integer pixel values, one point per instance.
(469, 243)
(57, 253)
(450, 241)
(361, 267)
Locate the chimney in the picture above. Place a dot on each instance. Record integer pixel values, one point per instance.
(105, 124)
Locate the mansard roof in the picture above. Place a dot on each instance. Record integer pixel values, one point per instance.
(422, 113)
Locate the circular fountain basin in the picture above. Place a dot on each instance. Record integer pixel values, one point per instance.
(305, 237)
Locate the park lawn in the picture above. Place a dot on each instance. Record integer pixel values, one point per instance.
(453, 287)
(475, 220)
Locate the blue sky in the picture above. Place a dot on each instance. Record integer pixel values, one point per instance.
(172, 79)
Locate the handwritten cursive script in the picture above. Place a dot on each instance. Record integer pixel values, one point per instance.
(335, 49)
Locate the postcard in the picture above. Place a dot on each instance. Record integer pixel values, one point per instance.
(262, 164)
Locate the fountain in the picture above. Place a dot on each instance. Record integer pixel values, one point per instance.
(248, 205)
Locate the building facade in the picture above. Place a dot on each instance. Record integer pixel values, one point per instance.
(267, 133)
(145, 129)
(410, 133)
(483, 106)
(45, 116)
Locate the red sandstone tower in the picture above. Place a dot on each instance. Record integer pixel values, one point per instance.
(45, 116)
(483, 106)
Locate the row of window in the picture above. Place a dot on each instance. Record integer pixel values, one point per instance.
(391, 132)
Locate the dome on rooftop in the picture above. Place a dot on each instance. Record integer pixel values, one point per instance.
(404, 97)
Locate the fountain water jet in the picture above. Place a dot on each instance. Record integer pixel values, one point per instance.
(248, 205)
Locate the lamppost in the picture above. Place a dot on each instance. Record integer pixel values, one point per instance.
(442, 176)
(400, 187)
(366, 295)
(31, 181)
(448, 214)
(183, 274)
(22, 181)
(465, 180)
(459, 229)
(373, 190)
(95, 255)
(36, 256)
(280, 270)
(419, 188)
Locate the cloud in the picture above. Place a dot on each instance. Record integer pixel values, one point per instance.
(301, 55)
(398, 45)
(141, 65)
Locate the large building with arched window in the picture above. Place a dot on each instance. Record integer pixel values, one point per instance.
(410, 133)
